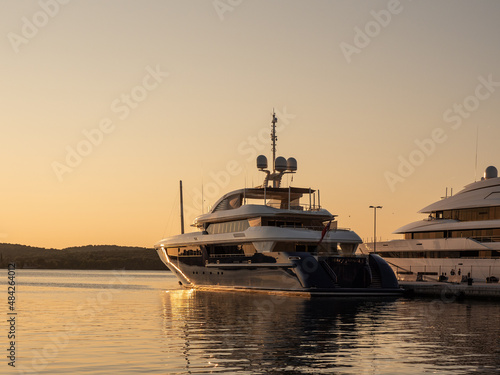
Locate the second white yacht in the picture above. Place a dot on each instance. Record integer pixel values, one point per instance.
(459, 240)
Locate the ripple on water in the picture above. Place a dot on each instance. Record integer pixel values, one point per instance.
(102, 322)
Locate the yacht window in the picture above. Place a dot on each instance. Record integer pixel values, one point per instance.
(189, 251)
(426, 235)
(310, 247)
(300, 248)
(296, 247)
(227, 250)
(285, 247)
(256, 222)
(473, 214)
(173, 251)
(289, 223)
(235, 202)
(483, 235)
(229, 203)
(417, 254)
(228, 227)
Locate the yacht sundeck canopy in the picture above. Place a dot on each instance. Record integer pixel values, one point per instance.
(234, 199)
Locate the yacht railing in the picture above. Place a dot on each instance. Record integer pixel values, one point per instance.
(456, 273)
(485, 238)
(369, 240)
(296, 207)
(316, 228)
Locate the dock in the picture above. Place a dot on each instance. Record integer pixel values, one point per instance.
(451, 291)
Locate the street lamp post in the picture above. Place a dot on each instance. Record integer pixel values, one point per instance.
(375, 227)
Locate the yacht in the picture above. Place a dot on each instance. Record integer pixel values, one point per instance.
(274, 239)
(459, 240)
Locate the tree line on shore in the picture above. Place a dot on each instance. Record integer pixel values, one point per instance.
(96, 257)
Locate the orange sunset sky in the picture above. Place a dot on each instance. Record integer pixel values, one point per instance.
(106, 105)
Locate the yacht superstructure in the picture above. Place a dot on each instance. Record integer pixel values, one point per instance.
(459, 239)
(269, 238)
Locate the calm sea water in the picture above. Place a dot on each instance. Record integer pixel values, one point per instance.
(131, 322)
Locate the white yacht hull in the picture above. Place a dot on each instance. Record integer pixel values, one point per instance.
(411, 265)
(294, 273)
(455, 269)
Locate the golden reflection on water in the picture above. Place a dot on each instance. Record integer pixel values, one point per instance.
(95, 322)
(241, 332)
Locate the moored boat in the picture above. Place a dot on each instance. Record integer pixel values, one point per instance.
(275, 239)
(459, 240)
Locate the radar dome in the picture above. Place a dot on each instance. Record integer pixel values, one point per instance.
(291, 164)
(280, 164)
(490, 172)
(261, 162)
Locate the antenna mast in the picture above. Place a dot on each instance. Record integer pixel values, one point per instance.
(475, 167)
(274, 139)
(280, 164)
(182, 208)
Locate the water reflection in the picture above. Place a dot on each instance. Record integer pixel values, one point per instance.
(255, 333)
(145, 329)
(244, 332)
(461, 336)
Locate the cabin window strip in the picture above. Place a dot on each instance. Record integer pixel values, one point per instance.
(483, 235)
(469, 214)
(228, 227)
(474, 254)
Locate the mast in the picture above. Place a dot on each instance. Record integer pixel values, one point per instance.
(274, 139)
(475, 167)
(280, 164)
(182, 209)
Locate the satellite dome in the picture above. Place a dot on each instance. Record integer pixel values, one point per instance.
(291, 164)
(490, 172)
(280, 164)
(261, 162)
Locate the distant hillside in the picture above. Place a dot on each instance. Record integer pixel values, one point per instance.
(95, 257)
